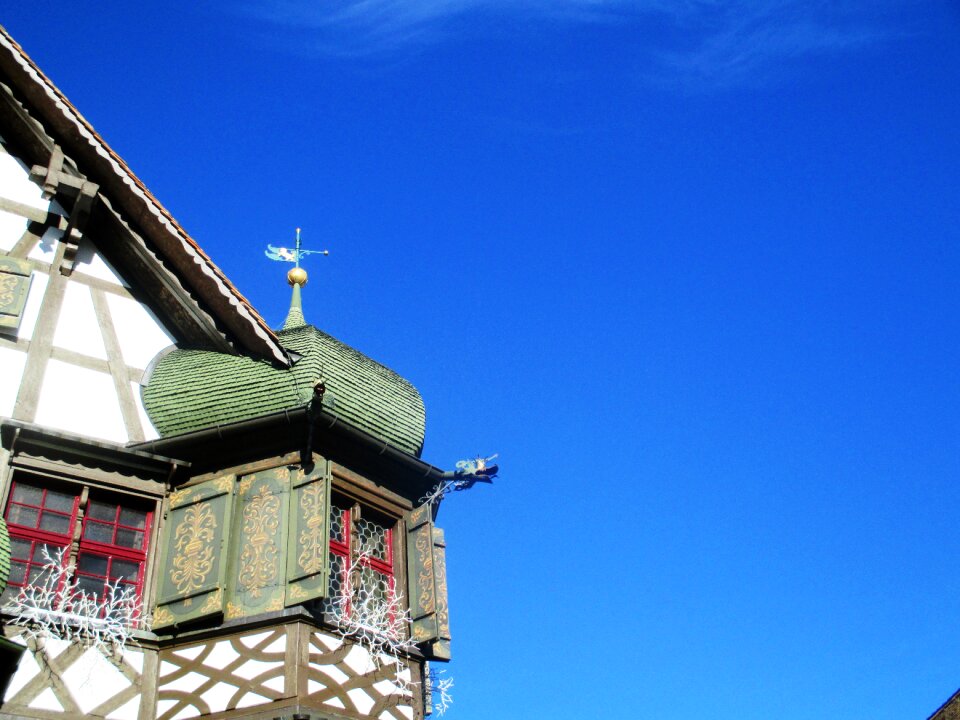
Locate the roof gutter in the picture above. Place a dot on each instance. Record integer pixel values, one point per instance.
(322, 419)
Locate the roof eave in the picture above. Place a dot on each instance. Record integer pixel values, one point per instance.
(138, 204)
(329, 431)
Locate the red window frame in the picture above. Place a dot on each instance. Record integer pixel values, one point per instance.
(346, 550)
(87, 547)
(35, 535)
(112, 551)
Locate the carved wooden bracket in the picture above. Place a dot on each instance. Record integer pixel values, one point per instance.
(55, 181)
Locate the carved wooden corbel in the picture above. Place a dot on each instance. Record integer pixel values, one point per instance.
(55, 182)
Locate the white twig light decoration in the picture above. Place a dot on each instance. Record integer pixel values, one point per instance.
(52, 605)
(381, 623)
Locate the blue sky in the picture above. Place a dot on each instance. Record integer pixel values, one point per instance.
(690, 267)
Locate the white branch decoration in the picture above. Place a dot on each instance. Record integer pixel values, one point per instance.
(439, 492)
(53, 606)
(440, 690)
(382, 625)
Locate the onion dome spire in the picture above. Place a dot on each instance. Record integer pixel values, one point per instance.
(297, 277)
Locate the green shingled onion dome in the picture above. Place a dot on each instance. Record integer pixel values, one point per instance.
(190, 390)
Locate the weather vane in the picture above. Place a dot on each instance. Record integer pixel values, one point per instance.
(283, 254)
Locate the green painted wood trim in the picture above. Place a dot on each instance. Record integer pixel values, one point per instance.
(427, 583)
(194, 565)
(308, 553)
(256, 578)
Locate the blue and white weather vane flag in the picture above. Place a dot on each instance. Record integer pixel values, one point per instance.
(294, 255)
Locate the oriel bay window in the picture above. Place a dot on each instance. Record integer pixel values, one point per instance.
(361, 545)
(242, 542)
(107, 534)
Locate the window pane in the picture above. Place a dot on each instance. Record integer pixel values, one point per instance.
(23, 516)
(90, 585)
(375, 585)
(130, 538)
(35, 572)
(336, 586)
(51, 522)
(41, 552)
(61, 501)
(102, 511)
(94, 564)
(18, 571)
(124, 569)
(337, 527)
(27, 494)
(98, 532)
(20, 548)
(373, 539)
(133, 518)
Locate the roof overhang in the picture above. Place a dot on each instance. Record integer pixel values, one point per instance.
(18, 437)
(300, 429)
(134, 207)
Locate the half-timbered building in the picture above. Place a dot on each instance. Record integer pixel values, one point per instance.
(236, 483)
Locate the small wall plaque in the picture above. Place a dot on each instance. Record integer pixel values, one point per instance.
(15, 275)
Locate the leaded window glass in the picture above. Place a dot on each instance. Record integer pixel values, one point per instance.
(360, 542)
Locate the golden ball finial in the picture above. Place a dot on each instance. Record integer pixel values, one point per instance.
(297, 276)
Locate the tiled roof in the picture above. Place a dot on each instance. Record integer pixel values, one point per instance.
(195, 389)
(950, 710)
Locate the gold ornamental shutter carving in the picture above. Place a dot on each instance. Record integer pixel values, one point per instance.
(427, 583)
(308, 544)
(194, 563)
(257, 573)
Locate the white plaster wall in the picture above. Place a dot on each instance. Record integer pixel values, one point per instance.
(77, 327)
(46, 248)
(16, 185)
(149, 431)
(141, 334)
(12, 175)
(92, 679)
(11, 228)
(90, 262)
(81, 401)
(11, 372)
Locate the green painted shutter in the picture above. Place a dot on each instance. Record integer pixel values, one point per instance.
(308, 556)
(194, 559)
(256, 576)
(427, 583)
(15, 277)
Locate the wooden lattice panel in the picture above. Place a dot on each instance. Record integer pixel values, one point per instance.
(58, 679)
(344, 676)
(223, 674)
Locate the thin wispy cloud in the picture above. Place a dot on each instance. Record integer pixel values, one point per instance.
(716, 42)
(742, 42)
